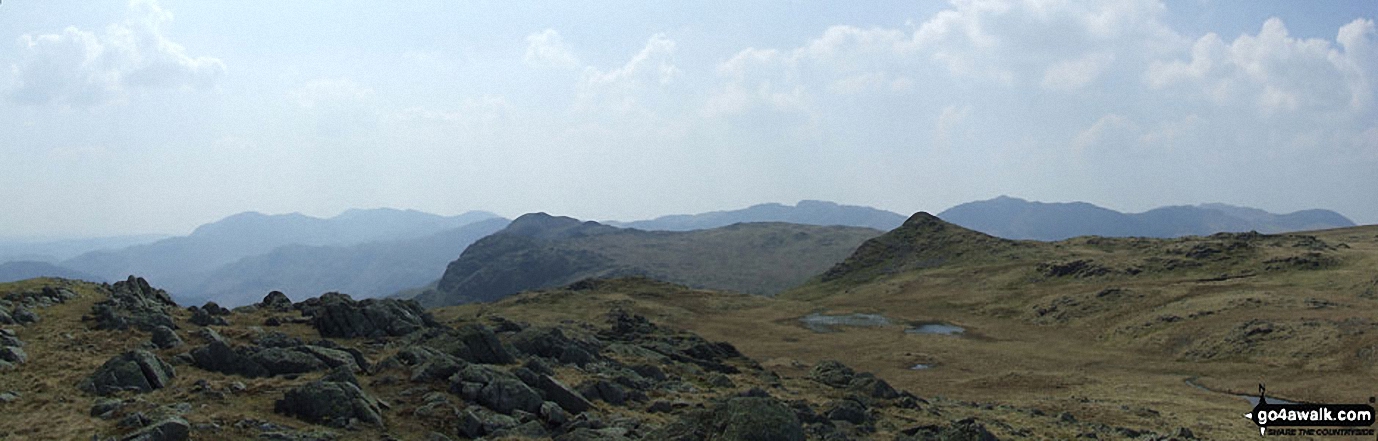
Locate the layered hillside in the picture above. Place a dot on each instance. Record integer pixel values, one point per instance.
(805, 212)
(368, 270)
(541, 251)
(1015, 218)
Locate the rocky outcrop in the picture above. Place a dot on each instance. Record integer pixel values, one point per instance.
(166, 338)
(338, 315)
(136, 370)
(133, 303)
(739, 418)
(335, 400)
(171, 429)
(260, 361)
(276, 301)
(11, 350)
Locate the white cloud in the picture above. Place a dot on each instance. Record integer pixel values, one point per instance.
(949, 125)
(330, 92)
(1077, 73)
(78, 67)
(1111, 132)
(547, 49)
(624, 88)
(1275, 73)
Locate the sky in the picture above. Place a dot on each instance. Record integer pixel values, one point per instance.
(156, 116)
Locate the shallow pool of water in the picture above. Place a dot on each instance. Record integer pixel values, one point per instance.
(828, 323)
(1252, 399)
(935, 328)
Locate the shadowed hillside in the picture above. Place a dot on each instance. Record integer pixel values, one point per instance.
(540, 251)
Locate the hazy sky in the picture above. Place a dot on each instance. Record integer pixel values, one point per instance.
(142, 116)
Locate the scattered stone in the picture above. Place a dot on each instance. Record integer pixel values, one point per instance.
(105, 408)
(133, 303)
(137, 370)
(23, 316)
(965, 429)
(872, 386)
(338, 315)
(604, 390)
(562, 395)
(276, 301)
(475, 344)
(282, 361)
(166, 338)
(848, 410)
(331, 403)
(13, 355)
(171, 429)
(202, 317)
(832, 373)
(500, 391)
(9, 397)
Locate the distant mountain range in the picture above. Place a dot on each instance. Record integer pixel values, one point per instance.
(371, 253)
(805, 212)
(28, 269)
(1014, 218)
(63, 249)
(204, 264)
(540, 251)
(365, 270)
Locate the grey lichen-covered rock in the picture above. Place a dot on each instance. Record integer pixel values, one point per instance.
(832, 373)
(331, 403)
(133, 303)
(13, 354)
(568, 399)
(166, 338)
(756, 418)
(137, 370)
(282, 361)
(218, 356)
(961, 430)
(868, 384)
(338, 315)
(276, 301)
(331, 358)
(506, 395)
(171, 429)
(473, 343)
(497, 389)
(739, 418)
(203, 317)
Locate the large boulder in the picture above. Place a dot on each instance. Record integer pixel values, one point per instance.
(338, 315)
(282, 361)
(332, 401)
(761, 418)
(478, 344)
(218, 356)
(166, 338)
(276, 301)
(832, 373)
(497, 389)
(137, 370)
(171, 429)
(133, 303)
